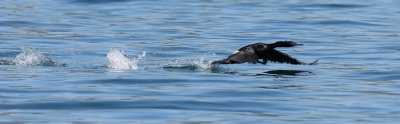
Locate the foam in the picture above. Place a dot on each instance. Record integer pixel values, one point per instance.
(30, 56)
(118, 61)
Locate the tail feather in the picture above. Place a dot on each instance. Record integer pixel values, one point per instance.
(313, 63)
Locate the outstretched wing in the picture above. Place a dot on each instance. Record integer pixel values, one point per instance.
(277, 56)
(242, 57)
(239, 57)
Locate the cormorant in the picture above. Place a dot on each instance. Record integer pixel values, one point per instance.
(261, 53)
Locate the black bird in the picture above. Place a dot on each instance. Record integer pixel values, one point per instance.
(261, 53)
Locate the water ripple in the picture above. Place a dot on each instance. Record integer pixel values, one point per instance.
(333, 6)
(228, 106)
(346, 22)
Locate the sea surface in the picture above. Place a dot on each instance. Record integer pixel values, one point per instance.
(148, 61)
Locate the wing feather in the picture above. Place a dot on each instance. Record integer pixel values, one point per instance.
(277, 56)
(242, 57)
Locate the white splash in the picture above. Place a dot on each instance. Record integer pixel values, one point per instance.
(30, 56)
(142, 56)
(201, 64)
(118, 61)
(197, 64)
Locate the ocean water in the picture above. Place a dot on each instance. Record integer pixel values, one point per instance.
(148, 61)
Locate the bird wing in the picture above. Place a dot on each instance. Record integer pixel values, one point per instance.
(242, 57)
(277, 56)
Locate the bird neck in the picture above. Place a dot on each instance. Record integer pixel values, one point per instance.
(282, 44)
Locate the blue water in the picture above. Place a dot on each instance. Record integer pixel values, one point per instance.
(140, 61)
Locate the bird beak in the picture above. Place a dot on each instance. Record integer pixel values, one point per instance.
(299, 44)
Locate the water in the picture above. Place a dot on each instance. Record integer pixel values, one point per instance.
(138, 61)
